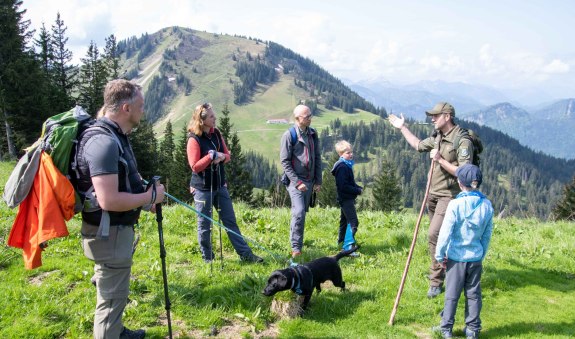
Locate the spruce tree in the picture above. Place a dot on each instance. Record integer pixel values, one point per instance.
(64, 73)
(327, 196)
(239, 179)
(144, 144)
(166, 155)
(24, 89)
(93, 78)
(111, 57)
(565, 208)
(44, 54)
(386, 189)
(181, 171)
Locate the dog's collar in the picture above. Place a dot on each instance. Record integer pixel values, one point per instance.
(294, 287)
(297, 288)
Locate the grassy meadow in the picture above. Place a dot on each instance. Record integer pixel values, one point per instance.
(528, 282)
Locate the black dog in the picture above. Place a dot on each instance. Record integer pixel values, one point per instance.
(302, 279)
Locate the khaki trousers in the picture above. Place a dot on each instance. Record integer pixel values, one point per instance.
(112, 265)
(436, 207)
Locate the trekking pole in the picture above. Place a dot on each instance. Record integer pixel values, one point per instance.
(398, 297)
(211, 214)
(159, 219)
(218, 209)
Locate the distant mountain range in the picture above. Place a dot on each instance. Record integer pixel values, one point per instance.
(548, 129)
(504, 112)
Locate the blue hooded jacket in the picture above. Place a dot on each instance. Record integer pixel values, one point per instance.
(466, 230)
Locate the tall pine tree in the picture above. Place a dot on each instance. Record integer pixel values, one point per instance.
(181, 171)
(327, 196)
(144, 143)
(166, 156)
(24, 89)
(64, 73)
(93, 78)
(386, 189)
(239, 179)
(111, 57)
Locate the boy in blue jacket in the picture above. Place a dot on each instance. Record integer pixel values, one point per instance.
(462, 244)
(347, 189)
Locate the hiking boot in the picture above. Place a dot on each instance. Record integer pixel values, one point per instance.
(354, 254)
(129, 334)
(207, 259)
(470, 334)
(444, 333)
(251, 258)
(433, 291)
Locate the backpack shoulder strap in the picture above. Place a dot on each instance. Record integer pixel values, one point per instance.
(109, 132)
(293, 135)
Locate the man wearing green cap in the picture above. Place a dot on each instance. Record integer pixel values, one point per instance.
(447, 157)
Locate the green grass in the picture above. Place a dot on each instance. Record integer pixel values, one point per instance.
(528, 281)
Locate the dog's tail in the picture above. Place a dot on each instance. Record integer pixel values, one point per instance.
(345, 253)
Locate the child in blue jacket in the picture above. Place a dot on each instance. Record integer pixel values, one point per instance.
(347, 189)
(462, 244)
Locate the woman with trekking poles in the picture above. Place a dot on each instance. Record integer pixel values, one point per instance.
(207, 153)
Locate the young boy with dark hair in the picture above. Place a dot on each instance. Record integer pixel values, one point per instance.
(462, 244)
(347, 190)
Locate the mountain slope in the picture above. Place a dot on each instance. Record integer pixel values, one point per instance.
(184, 68)
(544, 130)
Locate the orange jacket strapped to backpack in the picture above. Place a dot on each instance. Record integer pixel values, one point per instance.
(43, 214)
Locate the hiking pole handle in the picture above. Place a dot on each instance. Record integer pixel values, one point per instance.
(152, 185)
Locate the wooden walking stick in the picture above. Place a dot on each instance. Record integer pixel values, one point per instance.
(429, 175)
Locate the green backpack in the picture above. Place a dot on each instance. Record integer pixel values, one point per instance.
(58, 139)
(474, 138)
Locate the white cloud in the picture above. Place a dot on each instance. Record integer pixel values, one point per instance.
(556, 66)
(397, 42)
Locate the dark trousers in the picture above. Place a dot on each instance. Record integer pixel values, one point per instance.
(463, 276)
(348, 215)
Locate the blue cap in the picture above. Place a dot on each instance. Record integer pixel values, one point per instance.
(468, 173)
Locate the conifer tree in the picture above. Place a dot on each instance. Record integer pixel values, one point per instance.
(239, 178)
(24, 89)
(93, 78)
(386, 189)
(64, 73)
(181, 171)
(565, 208)
(111, 57)
(144, 144)
(327, 196)
(44, 54)
(166, 155)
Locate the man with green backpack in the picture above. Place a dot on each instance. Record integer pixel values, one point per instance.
(450, 147)
(105, 161)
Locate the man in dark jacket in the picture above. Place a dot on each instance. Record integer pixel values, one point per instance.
(301, 162)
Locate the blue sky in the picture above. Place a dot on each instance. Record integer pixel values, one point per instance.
(502, 44)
